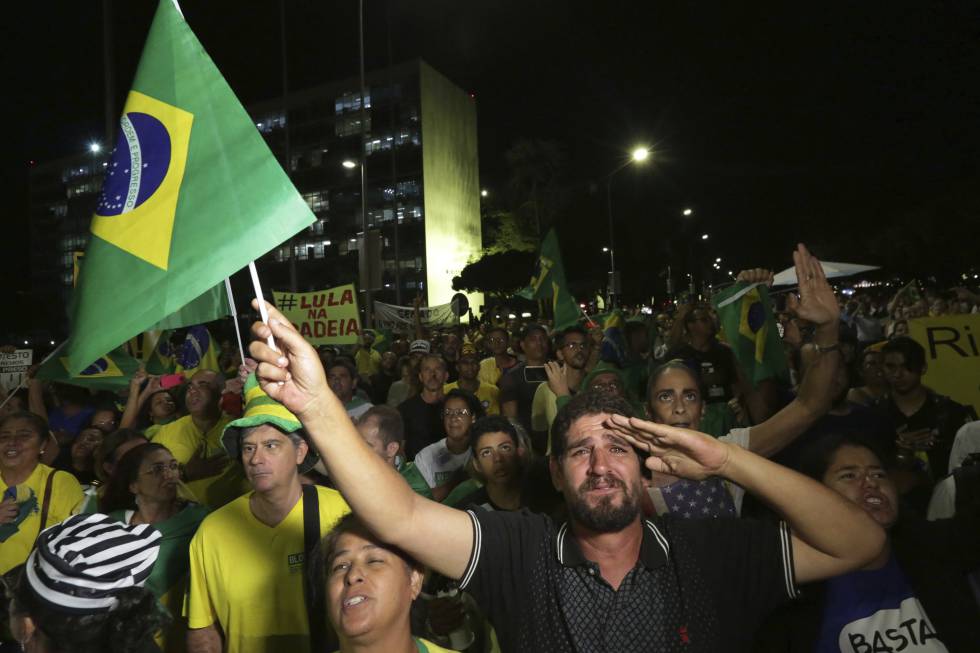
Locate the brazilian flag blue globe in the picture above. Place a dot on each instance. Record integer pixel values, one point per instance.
(191, 194)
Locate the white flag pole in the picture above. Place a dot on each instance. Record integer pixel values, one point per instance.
(234, 316)
(258, 295)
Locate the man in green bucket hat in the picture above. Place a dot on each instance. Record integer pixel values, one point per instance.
(248, 558)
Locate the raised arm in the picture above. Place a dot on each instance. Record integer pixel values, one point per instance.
(135, 400)
(438, 536)
(831, 535)
(818, 305)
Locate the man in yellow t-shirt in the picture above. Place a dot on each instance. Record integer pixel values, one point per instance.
(247, 559)
(368, 359)
(195, 441)
(492, 368)
(469, 369)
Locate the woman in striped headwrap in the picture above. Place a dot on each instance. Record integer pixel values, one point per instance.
(81, 589)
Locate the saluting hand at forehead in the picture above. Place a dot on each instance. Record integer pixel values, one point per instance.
(680, 452)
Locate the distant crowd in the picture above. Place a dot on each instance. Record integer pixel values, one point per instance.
(620, 484)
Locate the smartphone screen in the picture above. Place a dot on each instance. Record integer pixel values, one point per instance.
(535, 374)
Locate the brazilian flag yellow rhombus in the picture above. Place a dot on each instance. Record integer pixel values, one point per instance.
(139, 200)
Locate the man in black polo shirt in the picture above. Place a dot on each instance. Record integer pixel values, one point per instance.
(607, 579)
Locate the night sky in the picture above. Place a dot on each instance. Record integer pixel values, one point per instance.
(830, 124)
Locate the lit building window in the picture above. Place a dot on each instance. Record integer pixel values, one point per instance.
(352, 102)
(318, 201)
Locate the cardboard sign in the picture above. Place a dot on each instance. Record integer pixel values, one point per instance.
(323, 317)
(13, 367)
(952, 344)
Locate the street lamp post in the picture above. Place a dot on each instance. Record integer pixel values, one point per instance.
(638, 155)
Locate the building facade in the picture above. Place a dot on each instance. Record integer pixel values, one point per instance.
(419, 151)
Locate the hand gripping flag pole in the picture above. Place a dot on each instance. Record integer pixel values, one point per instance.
(258, 295)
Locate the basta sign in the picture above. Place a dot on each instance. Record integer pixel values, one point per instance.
(323, 317)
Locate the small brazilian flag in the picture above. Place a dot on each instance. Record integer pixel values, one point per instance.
(749, 327)
(199, 351)
(191, 194)
(548, 281)
(109, 372)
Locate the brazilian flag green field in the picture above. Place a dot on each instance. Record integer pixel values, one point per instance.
(191, 194)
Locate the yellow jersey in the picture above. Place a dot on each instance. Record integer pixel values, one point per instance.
(184, 439)
(66, 500)
(248, 577)
(489, 396)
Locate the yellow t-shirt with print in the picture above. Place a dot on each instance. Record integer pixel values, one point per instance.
(248, 577)
(489, 396)
(184, 439)
(66, 500)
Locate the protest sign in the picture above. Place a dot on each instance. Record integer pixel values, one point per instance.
(952, 355)
(13, 367)
(391, 316)
(323, 317)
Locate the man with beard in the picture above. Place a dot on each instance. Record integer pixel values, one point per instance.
(606, 579)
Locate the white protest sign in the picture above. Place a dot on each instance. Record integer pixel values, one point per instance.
(13, 367)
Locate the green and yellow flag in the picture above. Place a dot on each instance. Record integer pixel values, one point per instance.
(109, 372)
(548, 280)
(191, 194)
(199, 351)
(749, 327)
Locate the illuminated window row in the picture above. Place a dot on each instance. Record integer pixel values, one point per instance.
(352, 102)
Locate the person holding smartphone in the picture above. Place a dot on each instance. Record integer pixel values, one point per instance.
(517, 385)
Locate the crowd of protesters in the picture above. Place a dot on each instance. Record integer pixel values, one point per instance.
(503, 485)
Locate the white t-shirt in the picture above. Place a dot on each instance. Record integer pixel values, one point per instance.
(437, 463)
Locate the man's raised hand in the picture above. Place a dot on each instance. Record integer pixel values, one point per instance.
(293, 375)
(817, 303)
(680, 452)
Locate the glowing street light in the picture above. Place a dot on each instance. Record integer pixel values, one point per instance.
(94, 148)
(639, 155)
(718, 260)
(484, 193)
(687, 213)
(605, 249)
(704, 236)
(350, 165)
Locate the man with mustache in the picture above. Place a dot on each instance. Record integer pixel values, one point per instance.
(606, 580)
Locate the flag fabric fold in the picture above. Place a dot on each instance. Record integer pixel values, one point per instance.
(191, 194)
(211, 305)
(749, 327)
(548, 281)
(111, 371)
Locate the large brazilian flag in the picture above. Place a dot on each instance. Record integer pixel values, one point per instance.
(191, 194)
